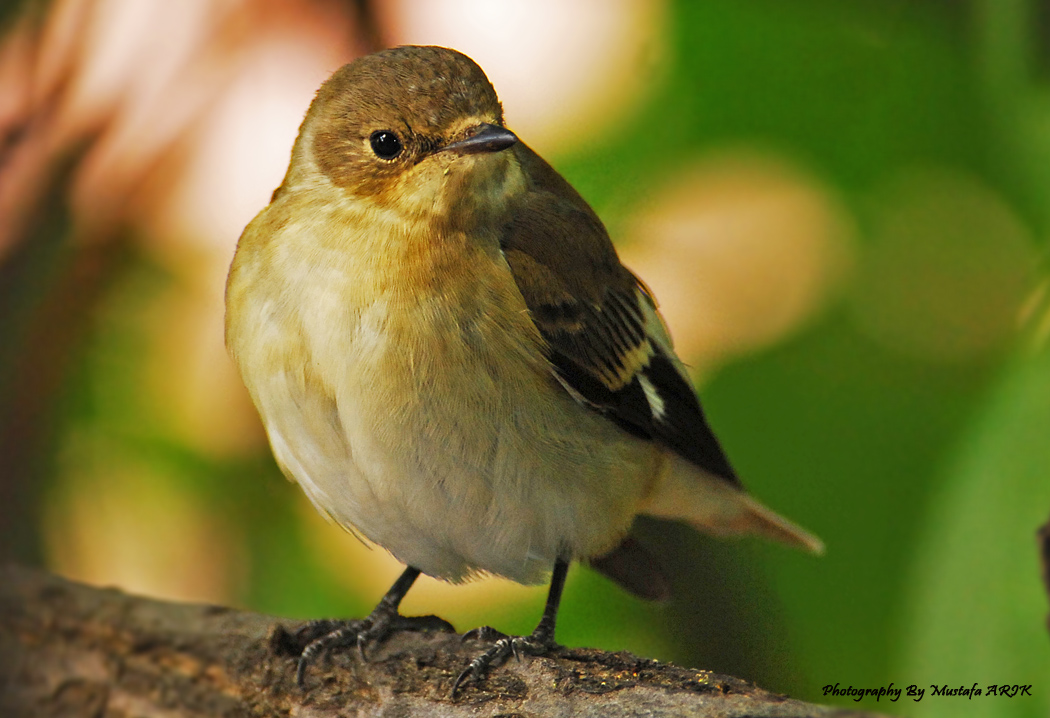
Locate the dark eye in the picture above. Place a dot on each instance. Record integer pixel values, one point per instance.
(385, 144)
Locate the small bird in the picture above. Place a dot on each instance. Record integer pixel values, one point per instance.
(451, 361)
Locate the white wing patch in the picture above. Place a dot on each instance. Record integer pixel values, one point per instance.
(652, 395)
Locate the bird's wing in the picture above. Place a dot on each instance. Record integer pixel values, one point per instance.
(608, 345)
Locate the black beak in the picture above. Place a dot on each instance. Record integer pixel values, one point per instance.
(487, 138)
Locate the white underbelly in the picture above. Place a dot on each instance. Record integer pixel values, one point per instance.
(454, 461)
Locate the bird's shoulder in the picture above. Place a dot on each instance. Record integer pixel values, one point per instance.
(607, 343)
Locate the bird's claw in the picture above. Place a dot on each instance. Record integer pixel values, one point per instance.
(483, 633)
(536, 644)
(322, 636)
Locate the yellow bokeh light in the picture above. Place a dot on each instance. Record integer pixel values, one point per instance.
(740, 250)
(114, 519)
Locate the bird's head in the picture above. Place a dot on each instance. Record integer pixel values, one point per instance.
(413, 130)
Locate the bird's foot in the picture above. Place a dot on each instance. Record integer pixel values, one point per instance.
(538, 643)
(319, 637)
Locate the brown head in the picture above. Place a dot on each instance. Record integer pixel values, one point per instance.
(411, 128)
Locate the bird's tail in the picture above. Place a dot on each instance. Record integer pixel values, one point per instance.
(714, 506)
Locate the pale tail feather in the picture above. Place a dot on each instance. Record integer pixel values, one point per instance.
(763, 521)
(713, 506)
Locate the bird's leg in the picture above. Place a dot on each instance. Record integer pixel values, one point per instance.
(320, 636)
(539, 642)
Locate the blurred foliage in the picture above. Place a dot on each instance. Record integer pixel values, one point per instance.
(927, 479)
(971, 603)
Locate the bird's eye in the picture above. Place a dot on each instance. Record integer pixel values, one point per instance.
(385, 144)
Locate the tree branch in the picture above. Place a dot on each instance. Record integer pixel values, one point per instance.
(80, 651)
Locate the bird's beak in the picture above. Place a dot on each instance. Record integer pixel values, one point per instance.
(486, 138)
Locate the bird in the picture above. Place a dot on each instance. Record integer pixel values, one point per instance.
(451, 361)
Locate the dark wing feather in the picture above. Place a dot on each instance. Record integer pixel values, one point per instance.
(607, 342)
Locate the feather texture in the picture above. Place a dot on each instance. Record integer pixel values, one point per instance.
(607, 343)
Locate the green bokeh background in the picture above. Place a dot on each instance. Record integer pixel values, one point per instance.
(926, 479)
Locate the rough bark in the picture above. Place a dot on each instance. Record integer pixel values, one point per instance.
(73, 650)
